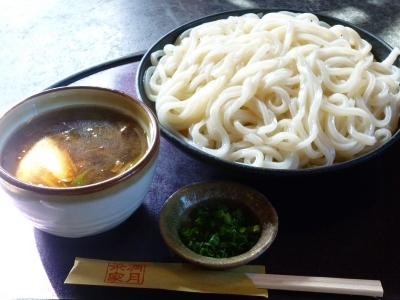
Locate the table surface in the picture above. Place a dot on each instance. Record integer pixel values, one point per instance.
(332, 226)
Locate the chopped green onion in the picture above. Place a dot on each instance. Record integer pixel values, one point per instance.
(218, 232)
(80, 179)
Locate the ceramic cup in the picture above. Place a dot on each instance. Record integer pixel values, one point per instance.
(84, 210)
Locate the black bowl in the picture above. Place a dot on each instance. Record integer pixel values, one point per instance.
(380, 50)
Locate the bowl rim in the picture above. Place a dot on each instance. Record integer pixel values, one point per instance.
(247, 170)
(258, 206)
(87, 189)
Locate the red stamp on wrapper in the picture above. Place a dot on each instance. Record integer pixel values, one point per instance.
(125, 273)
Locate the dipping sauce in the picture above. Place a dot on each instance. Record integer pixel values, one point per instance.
(219, 231)
(74, 147)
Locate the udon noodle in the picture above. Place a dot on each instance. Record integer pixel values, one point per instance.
(282, 91)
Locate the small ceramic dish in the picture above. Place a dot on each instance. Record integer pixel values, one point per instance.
(178, 208)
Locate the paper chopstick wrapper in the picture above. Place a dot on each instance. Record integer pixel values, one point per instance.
(168, 276)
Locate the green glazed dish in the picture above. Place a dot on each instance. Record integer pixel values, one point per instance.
(180, 205)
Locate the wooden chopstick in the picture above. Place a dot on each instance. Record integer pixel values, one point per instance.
(359, 287)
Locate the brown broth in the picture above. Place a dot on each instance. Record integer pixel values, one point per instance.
(91, 144)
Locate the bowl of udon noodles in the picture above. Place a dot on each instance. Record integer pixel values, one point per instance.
(77, 161)
(267, 92)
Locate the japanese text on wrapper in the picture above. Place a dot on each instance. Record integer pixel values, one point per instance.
(125, 273)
